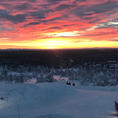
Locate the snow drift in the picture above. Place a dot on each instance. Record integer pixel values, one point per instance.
(56, 100)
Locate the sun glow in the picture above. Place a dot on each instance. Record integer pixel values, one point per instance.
(53, 43)
(65, 43)
(63, 34)
(61, 43)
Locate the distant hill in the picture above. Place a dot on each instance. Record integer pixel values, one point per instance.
(57, 58)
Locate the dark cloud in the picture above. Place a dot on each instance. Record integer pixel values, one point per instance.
(3, 0)
(55, 27)
(4, 28)
(17, 18)
(3, 13)
(64, 6)
(54, 1)
(67, 5)
(13, 18)
(4, 4)
(38, 14)
(32, 23)
(105, 7)
(44, 21)
(23, 6)
(7, 0)
(32, 0)
(86, 12)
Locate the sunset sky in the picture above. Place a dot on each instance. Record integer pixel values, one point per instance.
(58, 24)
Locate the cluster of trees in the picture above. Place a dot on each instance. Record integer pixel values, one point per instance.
(88, 74)
(57, 58)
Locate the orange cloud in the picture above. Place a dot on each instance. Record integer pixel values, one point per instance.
(47, 24)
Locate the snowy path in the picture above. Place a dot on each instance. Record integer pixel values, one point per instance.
(56, 100)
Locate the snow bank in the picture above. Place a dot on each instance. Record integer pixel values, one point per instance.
(56, 100)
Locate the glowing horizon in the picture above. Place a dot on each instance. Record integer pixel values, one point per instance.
(58, 24)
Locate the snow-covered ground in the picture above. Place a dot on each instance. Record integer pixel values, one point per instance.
(56, 100)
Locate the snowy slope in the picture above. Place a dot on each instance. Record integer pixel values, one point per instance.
(56, 100)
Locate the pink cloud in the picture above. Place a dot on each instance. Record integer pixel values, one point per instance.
(28, 20)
